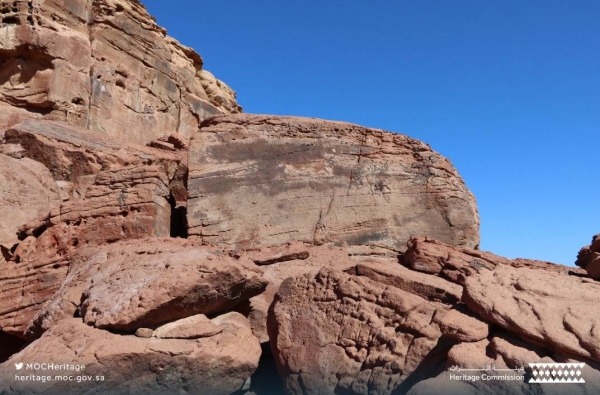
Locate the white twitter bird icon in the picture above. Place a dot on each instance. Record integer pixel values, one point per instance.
(19, 366)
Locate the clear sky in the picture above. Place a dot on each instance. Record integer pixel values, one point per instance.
(508, 90)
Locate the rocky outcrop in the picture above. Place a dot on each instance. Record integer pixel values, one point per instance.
(98, 192)
(456, 264)
(534, 304)
(334, 333)
(383, 328)
(28, 191)
(117, 364)
(103, 65)
(589, 258)
(264, 180)
(144, 283)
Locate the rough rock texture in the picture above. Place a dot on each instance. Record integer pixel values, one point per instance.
(535, 304)
(284, 262)
(193, 327)
(220, 364)
(502, 351)
(589, 258)
(334, 333)
(103, 192)
(456, 264)
(265, 180)
(103, 65)
(27, 192)
(144, 283)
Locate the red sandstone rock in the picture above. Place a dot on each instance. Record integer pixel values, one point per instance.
(103, 65)
(265, 181)
(220, 364)
(27, 192)
(275, 273)
(193, 327)
(144, 283)
(560, 311)
(456, 264)
(334, 332)
(589, 258)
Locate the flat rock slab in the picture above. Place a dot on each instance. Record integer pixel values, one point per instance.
(145, 283)
(559, 310)
(193, 327)
(265, 180)
(131, 365)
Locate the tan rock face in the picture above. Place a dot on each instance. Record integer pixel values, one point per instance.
(263, 180)
(27, 192)
(144, 283)
(220, 364)
(537, 305)
(103, 65)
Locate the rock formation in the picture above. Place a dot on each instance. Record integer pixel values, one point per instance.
(163, 243)
(589, 258)
(263, 180)
(104, 65)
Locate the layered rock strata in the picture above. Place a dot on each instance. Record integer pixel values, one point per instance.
(103, 65)
(264, 180)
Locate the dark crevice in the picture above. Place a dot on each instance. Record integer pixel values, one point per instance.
(10, 345)
(266, 380)
(178, 219)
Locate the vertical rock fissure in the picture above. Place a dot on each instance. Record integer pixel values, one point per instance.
(178, 224)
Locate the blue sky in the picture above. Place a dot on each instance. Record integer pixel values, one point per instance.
(508, 90)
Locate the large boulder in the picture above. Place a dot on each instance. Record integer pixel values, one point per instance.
(337, 333)
(103, 65)
(144, 283)
(560, 311)
(266, 180)
(118, 364)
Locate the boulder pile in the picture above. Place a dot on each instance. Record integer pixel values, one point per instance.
(156, 240)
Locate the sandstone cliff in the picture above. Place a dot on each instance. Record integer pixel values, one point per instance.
(103, 65)
(171, 245)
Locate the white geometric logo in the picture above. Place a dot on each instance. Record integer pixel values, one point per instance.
(556, 372)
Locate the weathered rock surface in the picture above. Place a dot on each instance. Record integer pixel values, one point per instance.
(193, 327)
(589, 258)
(498, 356)
(464, 326)
(220, 364)
(456, 264)
(428, 287)
(145, 283)
(560, 311)
(102, 191)
(289, 261)
(265, 180)
(334, 333)
(27, 192)
(103, 65)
